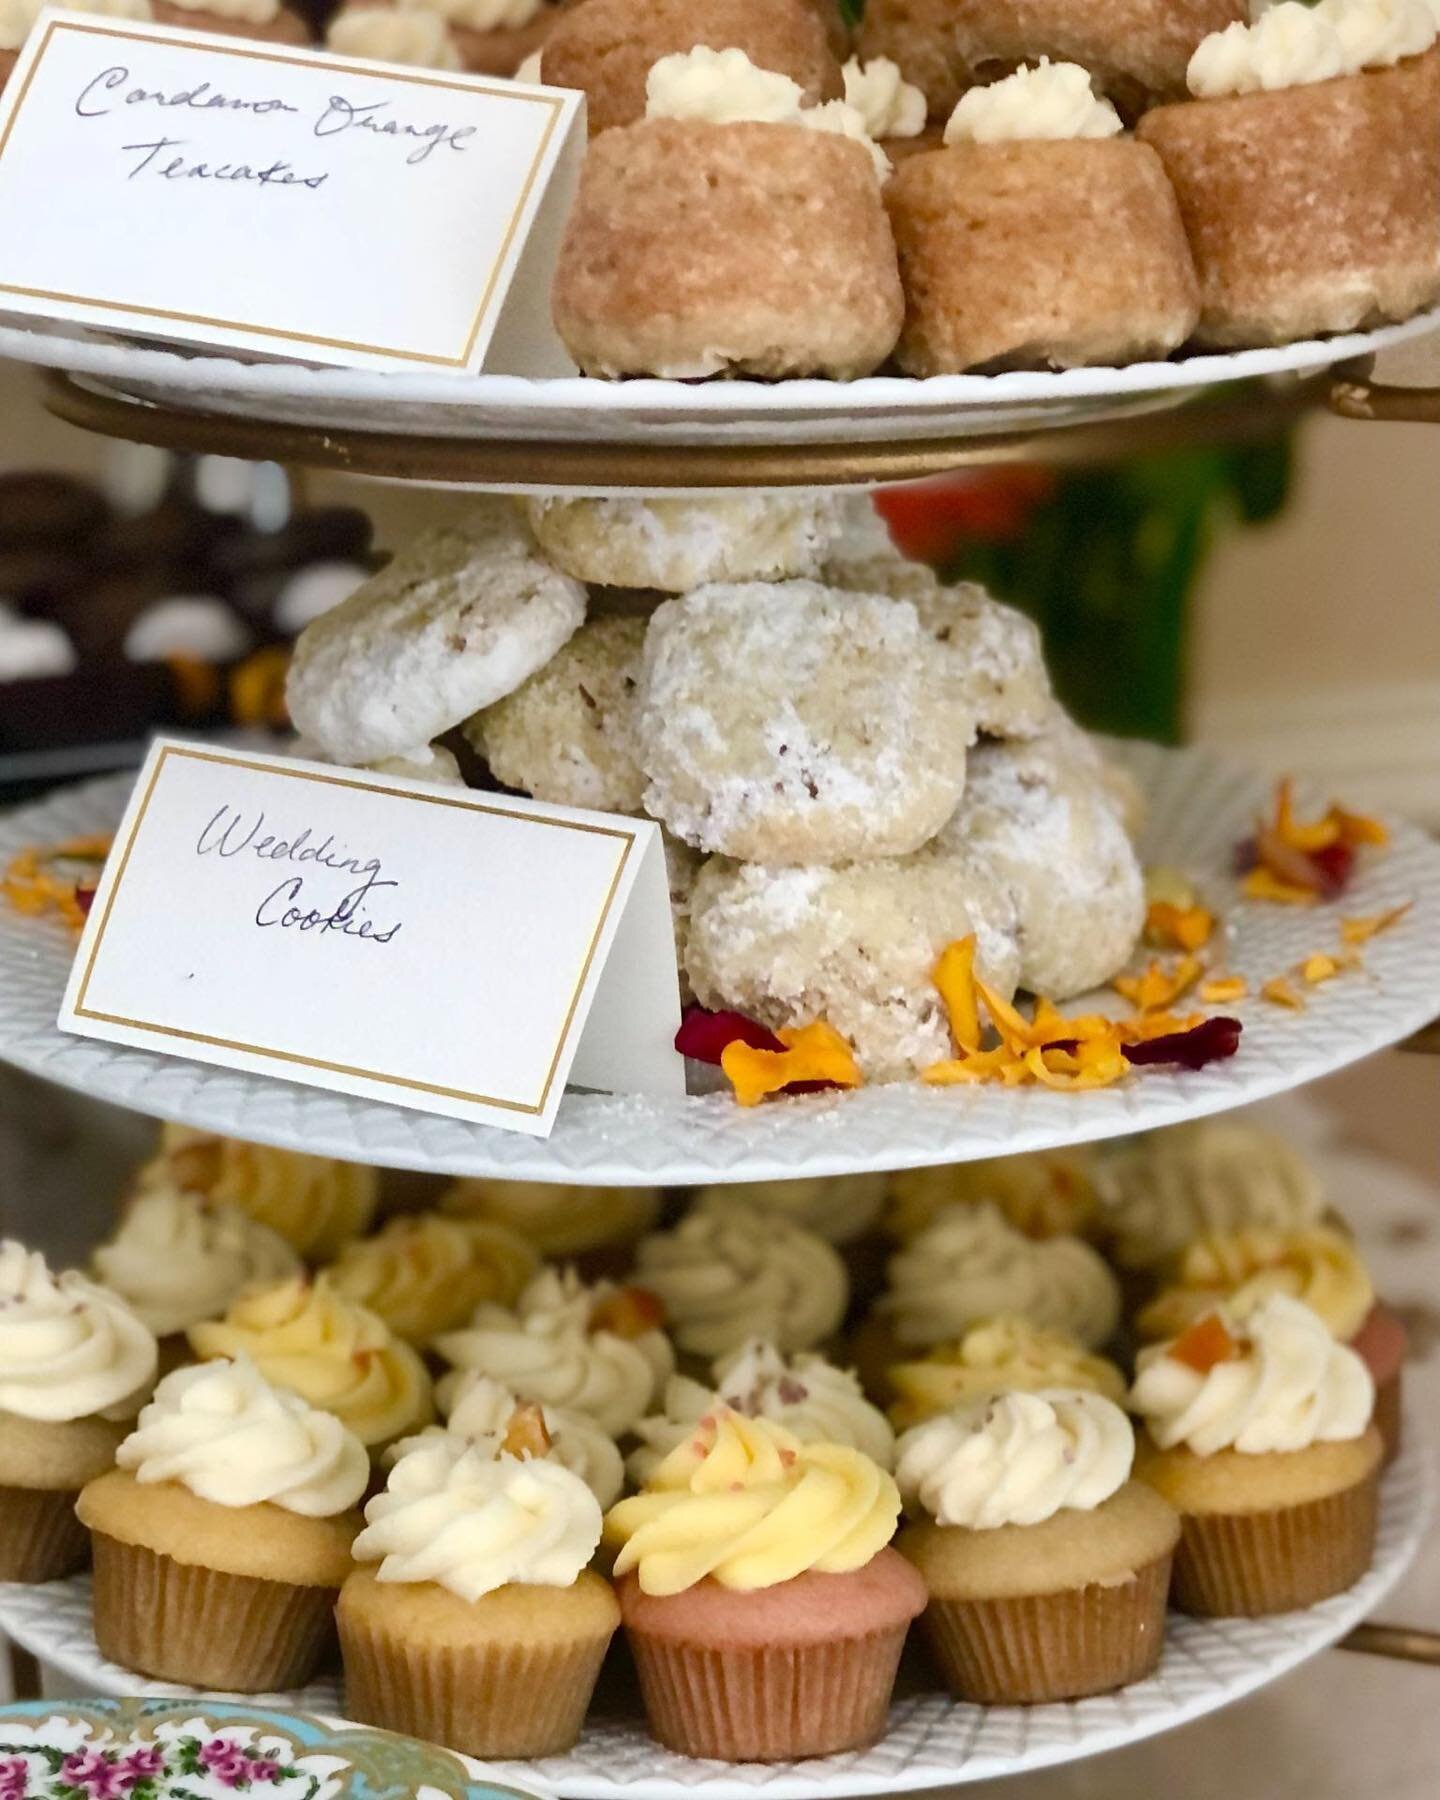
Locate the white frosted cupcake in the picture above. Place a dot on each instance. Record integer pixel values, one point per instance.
(730, 1271)
(810, 1397)
(483, 1626)
(75, 1365)
(490, 1416)
(1047, 1565)
(595, 1226)
(594, 1350)
(223, 1536)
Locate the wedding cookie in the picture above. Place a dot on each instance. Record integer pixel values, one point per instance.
(460, 617)
(676, 545)
(793, 723)
(855, 946)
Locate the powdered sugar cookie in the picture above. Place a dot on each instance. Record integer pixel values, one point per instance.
(676, 545)
(1007, 687)
(1048, 830)
(460, 617)
(793, 723)
(855, 946)
(1063, 745)
(568, 734)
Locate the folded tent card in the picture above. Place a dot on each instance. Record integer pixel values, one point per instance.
(457, 952)
(272, 201)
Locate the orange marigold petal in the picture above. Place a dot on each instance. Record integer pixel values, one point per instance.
(1360, 930)
(1318, 968)
(1319, 834)
(954, 978)
(1278, 990)
(1016, 1034)
(1179, 927)
(1261, 884)
(1359, 828)
(1221, 988)
(815, 1052)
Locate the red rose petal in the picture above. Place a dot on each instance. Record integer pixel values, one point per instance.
(1211, 1041)
(704, 1035)
(1335, 864)
(85, 899)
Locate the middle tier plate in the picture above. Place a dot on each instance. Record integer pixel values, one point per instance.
(1199, 807)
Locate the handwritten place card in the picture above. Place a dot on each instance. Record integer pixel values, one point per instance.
(253, 197)
(457, 952)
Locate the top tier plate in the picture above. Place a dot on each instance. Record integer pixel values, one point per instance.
(503, 418)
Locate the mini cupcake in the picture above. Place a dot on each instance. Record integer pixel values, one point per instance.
(729, 1272)
(1163, 1189)
(1000, 1355)
(424, 1274)
(306, 1337)
(971, 1265)
(1259, 1434)
(1047, 1566)
(483, 1627)
(810, 1397)
(487, 1414)
(842, 1209)
(595, 1227)
(788, 263)
(177, 1260)
(223, 1536)
(1329, 113)
(1039, 237)
(1044, 1193)
(75, 1364)
(486, 37)
(595, 1350)
(607, 48)
(763, 1605)
(315, 1203)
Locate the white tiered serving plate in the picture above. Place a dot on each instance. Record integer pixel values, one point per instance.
(581, 410)
(1199, 808)
(932, 1741)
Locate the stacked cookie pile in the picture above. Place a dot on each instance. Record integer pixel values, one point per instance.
(854, 764)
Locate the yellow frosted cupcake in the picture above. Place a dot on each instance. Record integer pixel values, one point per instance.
(313, 1202)
(483, 1627)
(996, 1356)
(1238, 1269)
(222, 1537)
(596, 1227)
(75, 1364)
(1259, 1433)
(424, 1274)
(760, 1597)
(304, 1336)
(1044, 1193)
(1046, 1564)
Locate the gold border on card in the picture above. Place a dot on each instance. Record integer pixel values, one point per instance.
(150, 314)
(317, 1063)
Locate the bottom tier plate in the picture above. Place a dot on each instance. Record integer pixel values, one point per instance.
(932, 1741)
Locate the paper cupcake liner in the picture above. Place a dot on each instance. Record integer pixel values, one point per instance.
(768, 1704)
(1388, 1408)
(483, 1699)
(180, 1622)
(1039, 1647)
(40, 1537)
(1243, 1565)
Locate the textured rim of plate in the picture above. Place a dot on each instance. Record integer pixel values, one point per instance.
(1199, 805)
(201, 376)
(932, 1742)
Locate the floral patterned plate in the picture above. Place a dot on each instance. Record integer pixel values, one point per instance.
(164, 1750)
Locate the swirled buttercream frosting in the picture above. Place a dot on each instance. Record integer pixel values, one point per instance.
(994, 1357)
(69, 1349)
(426, 1274)
(558, 1221)
(1241, 1268)
(1050, 100)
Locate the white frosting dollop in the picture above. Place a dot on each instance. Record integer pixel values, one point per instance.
(723, 87)
(891, 106)
(33, 649)
(319, 587)
(972, 1264)
(396, 34)
(69, 1349)
(487, 15)
(839, 1208)
(1050, 100)
(730, 1271)
(197, 626)
(471, 1522)
(1291, 1386)
(1290, 45)
(806, 1394)
(1015, 1459)
(176, 1259)
(17, 16)
(253, 12)
(1376, 34)
(545, 1350)
(221, 1430)
(482, 1409)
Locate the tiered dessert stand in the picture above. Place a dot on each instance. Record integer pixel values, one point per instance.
(579, 435)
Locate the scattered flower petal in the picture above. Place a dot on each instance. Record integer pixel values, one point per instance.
(1171, 927)
(1279, 990)
(704, 1035)
(813, 1053)
(954, 979)
(1360, 930)
(1212, 1040)
(1221, 989)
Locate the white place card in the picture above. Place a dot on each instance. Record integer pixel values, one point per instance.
(458, 952)
(262, 199)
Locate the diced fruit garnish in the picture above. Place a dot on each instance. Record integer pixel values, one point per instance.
(526, 1433)
(1207, 1342)
(628, 1312)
